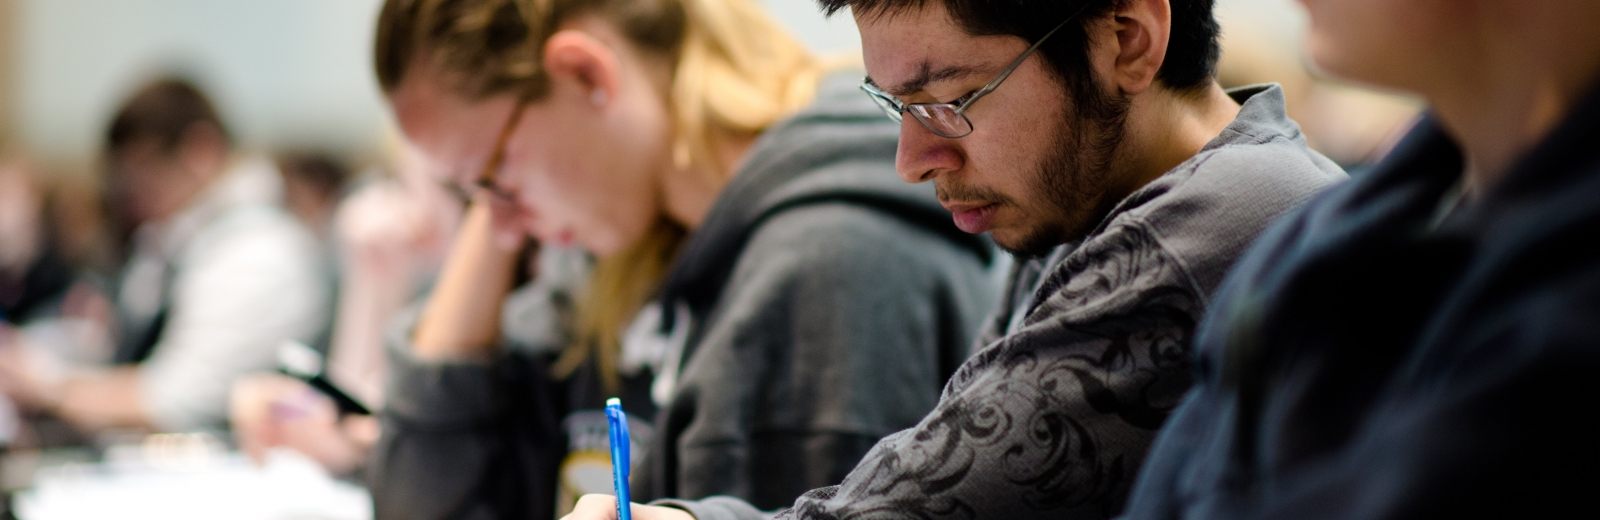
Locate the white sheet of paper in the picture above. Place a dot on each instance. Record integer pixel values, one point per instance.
(288, 486)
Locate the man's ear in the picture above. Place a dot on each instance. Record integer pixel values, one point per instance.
(578, 60)
(1142, 29)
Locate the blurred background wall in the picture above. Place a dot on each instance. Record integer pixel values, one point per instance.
(1262, 41)
(296, 73)
(285, 73)
(8, 46)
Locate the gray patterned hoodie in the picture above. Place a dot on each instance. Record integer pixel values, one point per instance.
(1054, 414)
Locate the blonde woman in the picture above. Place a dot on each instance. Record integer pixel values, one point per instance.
(790, 300)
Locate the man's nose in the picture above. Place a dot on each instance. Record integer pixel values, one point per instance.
(923, 156)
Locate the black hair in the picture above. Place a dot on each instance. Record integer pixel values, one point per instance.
(1192, 47)
(161, 112)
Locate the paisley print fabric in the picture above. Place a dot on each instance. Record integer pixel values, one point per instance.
(1089, 354)
(1051, 418)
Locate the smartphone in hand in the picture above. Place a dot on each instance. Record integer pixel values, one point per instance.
(299, 361)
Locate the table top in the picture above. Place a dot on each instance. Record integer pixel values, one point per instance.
(183, 478)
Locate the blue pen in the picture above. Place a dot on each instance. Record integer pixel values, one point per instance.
(620, 460)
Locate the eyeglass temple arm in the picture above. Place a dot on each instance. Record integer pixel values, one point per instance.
(995, 83)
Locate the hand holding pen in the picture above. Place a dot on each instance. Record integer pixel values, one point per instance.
(606, 507)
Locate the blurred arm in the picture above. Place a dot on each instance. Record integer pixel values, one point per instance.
(462, 316)
(104, 399)
(392, 239)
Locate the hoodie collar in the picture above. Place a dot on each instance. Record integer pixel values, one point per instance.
(839, 149)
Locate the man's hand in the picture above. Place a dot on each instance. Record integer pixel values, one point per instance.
(604, 507)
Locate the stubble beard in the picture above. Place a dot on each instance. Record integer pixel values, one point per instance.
(1072, 176)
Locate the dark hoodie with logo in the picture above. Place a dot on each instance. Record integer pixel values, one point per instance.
(820, 307)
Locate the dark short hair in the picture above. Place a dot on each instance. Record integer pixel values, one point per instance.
(161, 112)
(1192, 47)
(322, 171)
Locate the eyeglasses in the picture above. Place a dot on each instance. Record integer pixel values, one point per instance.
(485, 182)
(949, 120)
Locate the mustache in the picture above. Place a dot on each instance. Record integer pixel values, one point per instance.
(950, 191)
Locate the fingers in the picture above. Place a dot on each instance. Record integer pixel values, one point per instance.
(270, 410)
(604, 507)
(249, 411)
(594, 507)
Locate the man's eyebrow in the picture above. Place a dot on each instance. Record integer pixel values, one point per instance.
(926, 75)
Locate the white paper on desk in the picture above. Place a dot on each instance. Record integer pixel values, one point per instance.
(289, 486)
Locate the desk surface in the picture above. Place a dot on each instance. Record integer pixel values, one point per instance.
(226, 485)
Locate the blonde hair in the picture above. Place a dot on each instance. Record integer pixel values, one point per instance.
(736, 71)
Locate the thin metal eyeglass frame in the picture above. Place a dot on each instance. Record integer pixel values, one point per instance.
(894, 108)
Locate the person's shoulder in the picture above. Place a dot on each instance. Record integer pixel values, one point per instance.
(1207, 211)
(254, 239)
(1277, 169)
(256, 223)
(1245, 182)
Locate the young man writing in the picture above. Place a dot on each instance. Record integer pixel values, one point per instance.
(1089, 138)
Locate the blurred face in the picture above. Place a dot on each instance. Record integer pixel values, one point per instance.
(147, 183)
(573, 168)
(1384, 42)
(1033, 170)
(19, 217)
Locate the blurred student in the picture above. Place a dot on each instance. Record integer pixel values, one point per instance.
(1091, 138)
(1419, 343)
(217, 275)
(391, 236)
(33, 275)
(314, 183)
(35, 279)
(798, 302)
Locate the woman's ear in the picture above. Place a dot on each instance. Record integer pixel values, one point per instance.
(583, 64)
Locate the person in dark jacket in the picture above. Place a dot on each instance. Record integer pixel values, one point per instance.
(34, 276)
(1091, 138)
(1417, 343)
(795, 301)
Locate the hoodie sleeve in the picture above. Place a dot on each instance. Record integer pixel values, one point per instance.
(813, 354)
(469, 438)
(464, 439)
